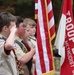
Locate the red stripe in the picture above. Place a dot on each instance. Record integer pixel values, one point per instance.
(35, 73)
(40, 50)
(36, 1)
(47, 40)
(44, 13)
(50, 15)
(36, 11)
(49, 52)
(52, 30)
(46, 34)
(48, 1)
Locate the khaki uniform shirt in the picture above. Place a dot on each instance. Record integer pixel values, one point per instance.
(7, 62)
(32, 42)
(20, 53)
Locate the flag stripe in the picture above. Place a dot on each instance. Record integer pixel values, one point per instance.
(50, 16)
(45, 22)
(48, 1)
(44, 56)
(51, 19)
(36, 1)
(36, 9)
(41, 53)
(48, 46)
(49, 6)
(38, 66)
(44, 15)
(36, 12)
(38, 40)
(52, 33)
(36, 6)
(51, 22)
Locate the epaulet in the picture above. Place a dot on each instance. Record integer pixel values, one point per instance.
(21, 46)
(2, 39)
(16, 41)
(33, 38)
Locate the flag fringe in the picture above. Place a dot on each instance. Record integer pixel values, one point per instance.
(49, 73)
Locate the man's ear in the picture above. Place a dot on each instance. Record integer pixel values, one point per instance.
(5, 28)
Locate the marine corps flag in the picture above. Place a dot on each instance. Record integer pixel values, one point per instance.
(65, 39)
(44, 54)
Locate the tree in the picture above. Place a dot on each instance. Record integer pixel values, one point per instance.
(24, 8)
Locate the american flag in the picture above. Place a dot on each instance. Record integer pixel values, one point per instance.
(44, 55)
(50, 17)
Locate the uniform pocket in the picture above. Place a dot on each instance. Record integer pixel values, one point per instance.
(1, 61)
(2, 70)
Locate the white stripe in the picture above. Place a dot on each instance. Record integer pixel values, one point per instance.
(36, 6)
(38, 68)
(40, 17)
(59, 41)
(49, 7)
(51, 22)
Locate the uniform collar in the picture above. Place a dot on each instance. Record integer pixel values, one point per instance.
(17, 38)
(2, 36)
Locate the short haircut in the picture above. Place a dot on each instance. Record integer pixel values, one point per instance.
(29, 21)
(19, 20)
(5, 19)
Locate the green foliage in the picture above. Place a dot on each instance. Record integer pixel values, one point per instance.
(57, 5)
(25, 8)
(6, 1)
(24, 1)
